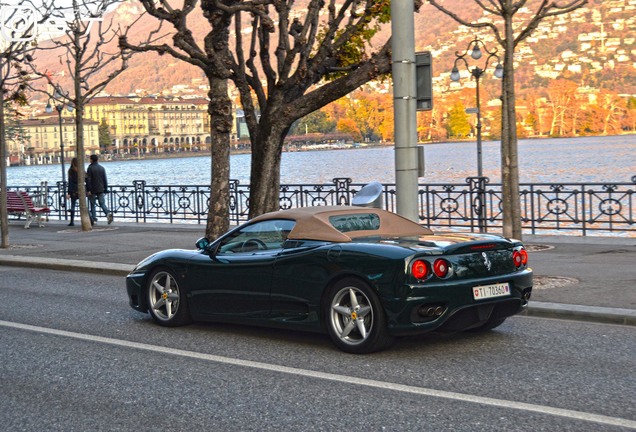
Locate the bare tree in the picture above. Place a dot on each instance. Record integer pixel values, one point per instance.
(561, 94)
(92, 61)
(509, 33)
(613, 107)
(210, 53)
(309, 62)
(278, 76)
(18, 30)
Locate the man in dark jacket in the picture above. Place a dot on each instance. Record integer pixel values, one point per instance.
(97, 186)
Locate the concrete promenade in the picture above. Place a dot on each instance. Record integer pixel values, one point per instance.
(580, 278)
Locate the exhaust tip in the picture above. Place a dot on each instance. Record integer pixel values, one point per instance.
(431, 311)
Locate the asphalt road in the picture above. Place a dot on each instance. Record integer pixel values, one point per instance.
(75, 357)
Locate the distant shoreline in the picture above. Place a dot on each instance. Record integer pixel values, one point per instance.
(187, 154)
(165, 155)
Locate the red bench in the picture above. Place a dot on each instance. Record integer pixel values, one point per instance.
(19, 204)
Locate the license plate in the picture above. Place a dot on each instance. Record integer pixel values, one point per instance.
(490, 291)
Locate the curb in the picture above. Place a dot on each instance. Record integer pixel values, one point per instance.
(112, 269)
(581, 313)
(535, 309)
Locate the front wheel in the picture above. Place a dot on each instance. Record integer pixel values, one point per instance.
(166, 300)
(355, 319)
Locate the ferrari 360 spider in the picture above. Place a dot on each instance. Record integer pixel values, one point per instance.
(363, 275)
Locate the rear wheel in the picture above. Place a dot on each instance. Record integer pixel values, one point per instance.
(355, 319)
(166, 300)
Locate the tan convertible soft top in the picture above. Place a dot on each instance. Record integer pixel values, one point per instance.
(312, 223)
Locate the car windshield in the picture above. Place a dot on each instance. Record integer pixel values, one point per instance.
(260, 236)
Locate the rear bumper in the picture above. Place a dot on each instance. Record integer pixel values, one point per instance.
(456, 309)
(474, 316)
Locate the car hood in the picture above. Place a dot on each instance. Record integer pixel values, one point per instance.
(171, 255)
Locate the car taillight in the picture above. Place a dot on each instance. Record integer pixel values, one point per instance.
(440, 268)
(520, 257)
(419, 269)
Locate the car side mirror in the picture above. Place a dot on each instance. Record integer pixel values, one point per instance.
(202, 243)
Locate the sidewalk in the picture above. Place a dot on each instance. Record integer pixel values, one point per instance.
(582, 278)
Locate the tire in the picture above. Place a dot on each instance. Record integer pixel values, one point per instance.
(355, 319)
(166, 300)
(489, 325)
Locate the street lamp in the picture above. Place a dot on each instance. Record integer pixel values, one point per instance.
(59, 107)
(477, 72)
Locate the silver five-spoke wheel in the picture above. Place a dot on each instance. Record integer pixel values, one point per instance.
(165, 299)
(355, 318)
(351, 315)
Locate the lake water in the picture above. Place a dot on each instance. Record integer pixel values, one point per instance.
(566, 160)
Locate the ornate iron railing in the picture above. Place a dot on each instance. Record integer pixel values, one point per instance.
(579, 208)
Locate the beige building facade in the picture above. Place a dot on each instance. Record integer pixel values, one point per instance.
(152, 124)
(39, 143)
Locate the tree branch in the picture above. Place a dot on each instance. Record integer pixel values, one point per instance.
(463, 22)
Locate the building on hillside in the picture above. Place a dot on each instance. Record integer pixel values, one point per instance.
(40, 144)
(152, 124)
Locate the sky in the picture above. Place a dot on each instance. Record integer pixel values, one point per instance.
(21, 20)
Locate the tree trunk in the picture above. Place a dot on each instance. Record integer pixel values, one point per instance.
(554, 120)
(84, 217)
(220, 110)
(4, 218)
(265, 172)
(509, 154)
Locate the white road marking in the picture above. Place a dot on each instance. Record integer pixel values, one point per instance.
(541, 409)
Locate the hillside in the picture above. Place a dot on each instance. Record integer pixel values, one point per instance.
(593, 46)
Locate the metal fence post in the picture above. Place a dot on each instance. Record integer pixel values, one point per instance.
(478, 197)
(140, 199)
(343, 190)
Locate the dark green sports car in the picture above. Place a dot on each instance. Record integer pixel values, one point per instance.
(362, 275)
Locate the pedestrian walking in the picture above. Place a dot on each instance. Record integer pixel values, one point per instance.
(72, 191)
(97, 186)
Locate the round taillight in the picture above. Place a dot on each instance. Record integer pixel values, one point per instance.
(440, 268)
(419, 269)
(524, 256)
(517, 259)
